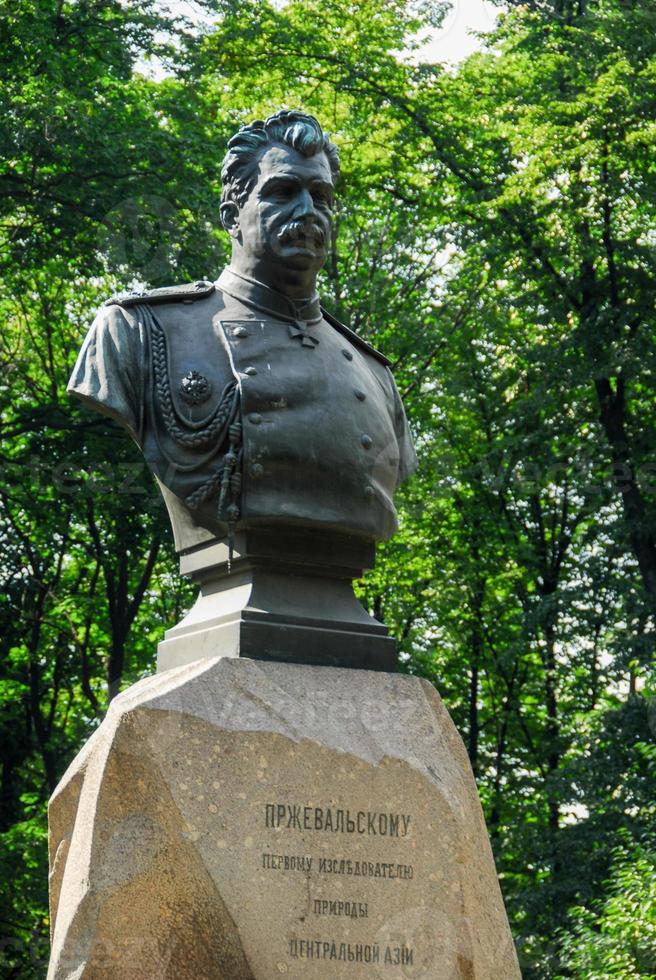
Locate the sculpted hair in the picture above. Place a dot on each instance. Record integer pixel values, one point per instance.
(296, 129)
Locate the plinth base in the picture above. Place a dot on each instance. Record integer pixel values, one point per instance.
(235, 820)
(284, 595)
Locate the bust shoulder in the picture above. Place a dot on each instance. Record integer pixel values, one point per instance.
(354, 338)
(184, 293)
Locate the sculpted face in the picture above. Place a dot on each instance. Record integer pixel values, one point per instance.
(287, 219)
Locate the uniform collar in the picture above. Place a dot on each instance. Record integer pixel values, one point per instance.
(267, 300)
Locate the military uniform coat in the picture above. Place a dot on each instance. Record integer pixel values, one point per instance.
(308, 412)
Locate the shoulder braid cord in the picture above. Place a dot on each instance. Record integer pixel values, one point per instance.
(222, 426)
(221, 417)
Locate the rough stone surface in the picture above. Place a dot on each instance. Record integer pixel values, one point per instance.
(236, 819)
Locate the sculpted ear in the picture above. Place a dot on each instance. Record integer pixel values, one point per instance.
(230, 218)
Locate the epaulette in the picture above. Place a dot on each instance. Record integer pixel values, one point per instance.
(353, 337)
(186, 293)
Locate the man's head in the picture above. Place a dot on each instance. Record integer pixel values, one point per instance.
(278, 181)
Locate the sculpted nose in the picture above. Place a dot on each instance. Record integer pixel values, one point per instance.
(304, 205)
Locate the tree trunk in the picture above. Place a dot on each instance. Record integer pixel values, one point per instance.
(612, 406)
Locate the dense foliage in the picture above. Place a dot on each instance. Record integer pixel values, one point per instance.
(497, 238)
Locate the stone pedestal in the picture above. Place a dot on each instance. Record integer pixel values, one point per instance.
(234, 819)
(283, 595)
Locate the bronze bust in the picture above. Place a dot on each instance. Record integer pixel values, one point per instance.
(256, 409)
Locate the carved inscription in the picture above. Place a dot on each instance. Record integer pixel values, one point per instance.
(365, 869)
(336, 821)
(328, 949)
(366, 827)
(356, 910)
(337, 866)
(287, 862)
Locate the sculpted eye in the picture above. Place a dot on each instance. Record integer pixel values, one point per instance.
(322, 199)
(282, 189)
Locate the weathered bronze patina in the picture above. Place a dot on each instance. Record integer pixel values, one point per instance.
(273, 430)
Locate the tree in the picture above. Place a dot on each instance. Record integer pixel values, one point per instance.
(495, 238)
(620, 941)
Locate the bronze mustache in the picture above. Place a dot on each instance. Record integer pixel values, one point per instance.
(295, 231)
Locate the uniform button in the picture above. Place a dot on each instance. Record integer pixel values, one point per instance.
(366, 441)
(240, 332)
(347, 354)
(369, 492)
(250, 371)
(256, 470)
(255, 418)
(360, 395)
